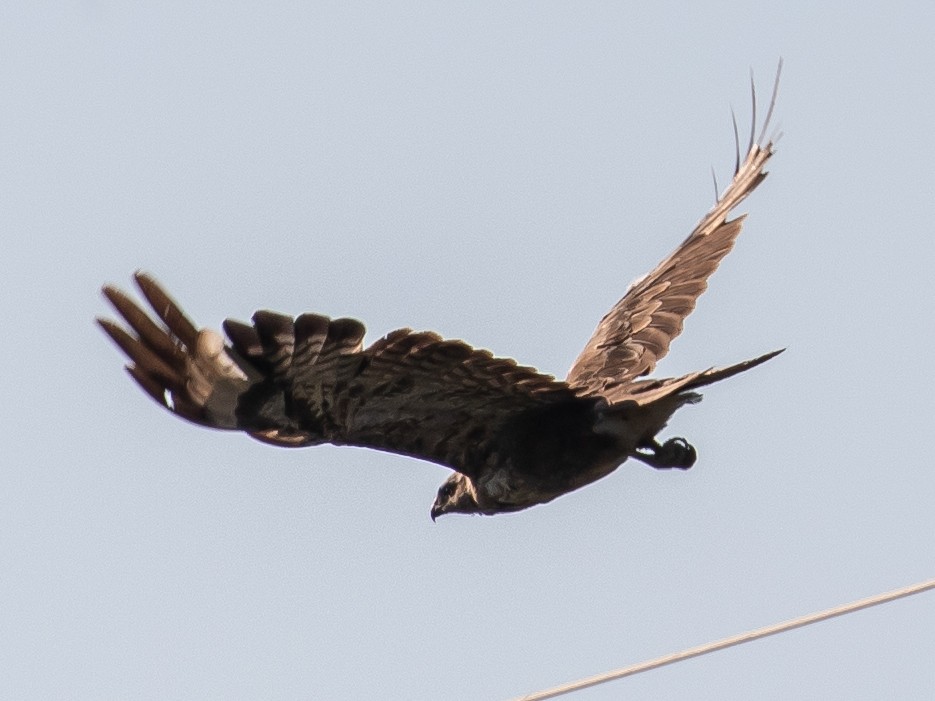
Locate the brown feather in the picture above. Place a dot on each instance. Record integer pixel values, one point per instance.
(309, 380)
(516, 436)
(167, 310)
(638, 331)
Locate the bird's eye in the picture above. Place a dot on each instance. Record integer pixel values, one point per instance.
(447, 491)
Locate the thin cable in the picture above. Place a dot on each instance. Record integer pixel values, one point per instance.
(729, 642)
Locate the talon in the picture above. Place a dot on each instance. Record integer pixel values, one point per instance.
(679, 453)
(675, 452)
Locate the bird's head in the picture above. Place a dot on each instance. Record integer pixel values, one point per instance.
(456, 495)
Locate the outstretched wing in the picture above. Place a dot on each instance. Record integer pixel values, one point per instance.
(637, 332)
(305, 381)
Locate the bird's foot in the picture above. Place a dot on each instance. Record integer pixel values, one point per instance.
(675, 452)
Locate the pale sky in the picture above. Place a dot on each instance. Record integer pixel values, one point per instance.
(497, 172)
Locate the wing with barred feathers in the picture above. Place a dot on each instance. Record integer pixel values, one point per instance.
(309, 380)
(637, 332)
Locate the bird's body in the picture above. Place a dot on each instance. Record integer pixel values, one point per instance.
(513, 437)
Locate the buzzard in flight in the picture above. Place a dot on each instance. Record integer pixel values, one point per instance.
(514, 437)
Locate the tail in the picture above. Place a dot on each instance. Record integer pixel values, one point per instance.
(647, 391)
(707, 377)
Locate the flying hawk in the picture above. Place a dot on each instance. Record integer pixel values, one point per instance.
(514, 437)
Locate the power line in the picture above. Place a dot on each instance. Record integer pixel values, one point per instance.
(729, 642)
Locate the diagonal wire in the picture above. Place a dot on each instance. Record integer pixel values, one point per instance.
(729, 642)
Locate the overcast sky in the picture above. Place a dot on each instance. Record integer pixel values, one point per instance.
(497, 172)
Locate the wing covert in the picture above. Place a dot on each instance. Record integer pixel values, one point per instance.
(309, 380)
(639, 329)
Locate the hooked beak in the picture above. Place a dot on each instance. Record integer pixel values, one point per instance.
(436, 512)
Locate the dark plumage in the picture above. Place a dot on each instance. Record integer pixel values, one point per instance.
(513, 436)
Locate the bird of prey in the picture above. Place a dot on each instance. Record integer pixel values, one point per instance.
(514, 437)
